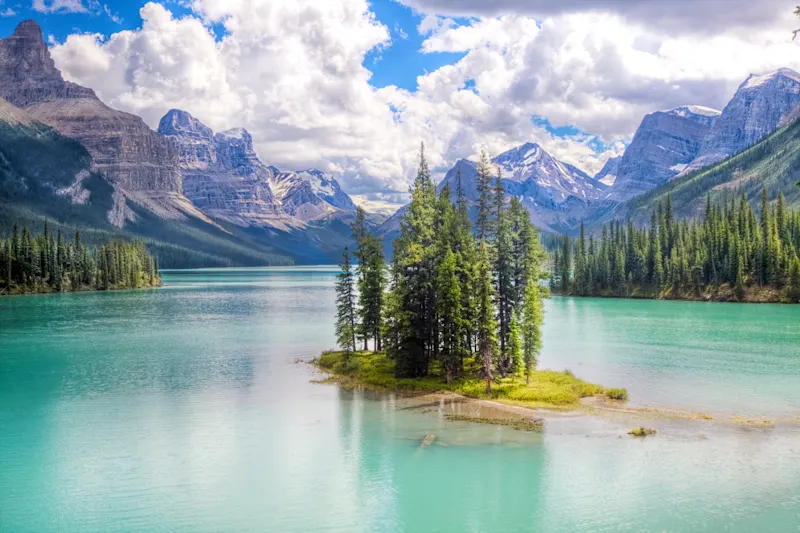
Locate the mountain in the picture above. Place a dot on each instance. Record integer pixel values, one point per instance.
(309, 195)
(608, 174)
(141, 163)
(773, 163)
(753, 113)
(45, 176)
(557, 195)
(665, 143)
(222, 175)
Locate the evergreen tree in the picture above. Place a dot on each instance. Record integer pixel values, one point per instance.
(514, 345)
(448, 301)
(487, 325)
(532, 320)
(346, 306)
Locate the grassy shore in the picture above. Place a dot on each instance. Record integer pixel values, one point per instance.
(547, 389)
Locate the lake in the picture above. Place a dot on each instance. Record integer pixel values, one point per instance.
(187, 409)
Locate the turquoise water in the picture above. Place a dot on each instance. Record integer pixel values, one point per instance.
(185, 409)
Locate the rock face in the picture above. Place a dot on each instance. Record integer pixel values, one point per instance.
(122, 146)
(222, 174)
(663, 146)
(608, 174)
(754, 112)
(27, 73)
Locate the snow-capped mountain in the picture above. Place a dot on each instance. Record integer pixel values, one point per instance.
(753, 113)
(310, 194)
(665, 143)
(529, 164)
(556, 194)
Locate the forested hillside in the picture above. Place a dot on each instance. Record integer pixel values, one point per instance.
(773, 163)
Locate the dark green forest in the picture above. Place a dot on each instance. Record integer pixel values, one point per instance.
(731, 253)
(48, 262)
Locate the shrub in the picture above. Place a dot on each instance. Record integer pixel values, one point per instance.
(641, 432)
(616, 394)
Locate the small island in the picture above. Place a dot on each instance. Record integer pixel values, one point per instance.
(542, 389)
(459, 309)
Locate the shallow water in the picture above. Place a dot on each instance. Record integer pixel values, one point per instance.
(184, 409)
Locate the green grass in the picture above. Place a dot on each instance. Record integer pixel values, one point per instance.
(547, 388)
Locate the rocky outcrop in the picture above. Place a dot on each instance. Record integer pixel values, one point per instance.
(754, 112)
(663, 146)
(222, 175)
(122, 146)
(28, 74)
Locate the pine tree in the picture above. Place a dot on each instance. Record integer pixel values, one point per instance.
(346, 307)
(487, 325)
(483, 223)
(448, 302)
(514, 345)
(532, 319)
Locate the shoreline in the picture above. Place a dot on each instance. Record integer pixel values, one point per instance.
(530, 417)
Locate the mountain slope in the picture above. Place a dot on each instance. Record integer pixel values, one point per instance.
(608, 174)
(122, 146)
(753, 113)
(664, 144)
(773, 163)
(45, 176)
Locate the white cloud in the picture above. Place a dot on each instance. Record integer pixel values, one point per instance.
(708, 17)
(8, 12)
(59, 6)
(292, 72)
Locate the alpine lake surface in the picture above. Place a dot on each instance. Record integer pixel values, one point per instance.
(187, 408)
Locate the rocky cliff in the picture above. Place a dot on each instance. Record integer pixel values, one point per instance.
(664, 145)
(122, 146)
(222, 174)
(753, 113)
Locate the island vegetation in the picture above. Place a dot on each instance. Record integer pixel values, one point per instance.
(730, 254)
(46, 263)
(458, 309)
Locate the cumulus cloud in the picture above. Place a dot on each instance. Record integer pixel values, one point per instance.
(292, 72)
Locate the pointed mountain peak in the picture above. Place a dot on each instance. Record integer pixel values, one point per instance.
(179, 122)
(29, 29)
(757, 80)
